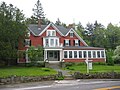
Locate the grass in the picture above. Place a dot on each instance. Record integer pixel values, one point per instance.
(96, 68)
(26, 71)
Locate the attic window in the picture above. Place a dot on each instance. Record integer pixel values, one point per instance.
(51, 33)
(71, 34)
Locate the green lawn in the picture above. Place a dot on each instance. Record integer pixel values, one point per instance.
(26, 71)
(96, 68)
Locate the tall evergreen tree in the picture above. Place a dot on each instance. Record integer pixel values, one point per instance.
(12, 28)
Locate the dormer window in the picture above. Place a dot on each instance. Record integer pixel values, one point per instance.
(51, 33)
(71, 34)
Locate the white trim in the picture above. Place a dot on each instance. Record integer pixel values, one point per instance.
(83, 54)
(53, 27)
(77, 36)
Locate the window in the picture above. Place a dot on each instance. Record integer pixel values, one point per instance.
(65, 54)
(98, 54)
(27, 42)
(50, 54)
(84, 54)
(48, 33)
(56, 42)
(75, 54)
(66, 42)
(46, 42)
(52, 42)
(94, 54)
(70, 54)
(80, 54)
(89, 54)
(51, 33)
(71, 34)
(76, 42)
(102, 54)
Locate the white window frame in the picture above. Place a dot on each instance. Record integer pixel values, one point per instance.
(67, 42)
(71, 33)
(50, 33)
(76, 42)
(28, 42)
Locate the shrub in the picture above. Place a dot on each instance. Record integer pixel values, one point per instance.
(46, 69)
(116, 56)
(110, 60)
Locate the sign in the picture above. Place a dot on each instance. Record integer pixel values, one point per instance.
(90, 65)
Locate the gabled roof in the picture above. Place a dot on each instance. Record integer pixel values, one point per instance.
(34, 29)
(60, 29)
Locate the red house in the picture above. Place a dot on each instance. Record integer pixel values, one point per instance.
(61, 45)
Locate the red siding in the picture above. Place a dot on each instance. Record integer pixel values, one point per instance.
(83, 60)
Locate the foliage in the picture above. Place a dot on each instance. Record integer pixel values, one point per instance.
(38, 14)
(12, 29)
(35, 55)
(26, 71)
(116, 56)
(69, 64)
(109, 58)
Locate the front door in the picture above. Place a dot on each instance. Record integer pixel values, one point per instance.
(53, 55)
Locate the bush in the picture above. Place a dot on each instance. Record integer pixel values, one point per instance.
(81, 63)
(110, 60)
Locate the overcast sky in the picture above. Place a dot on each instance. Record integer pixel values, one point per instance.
(69, 11)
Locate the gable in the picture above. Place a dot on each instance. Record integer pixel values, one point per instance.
(76, 35)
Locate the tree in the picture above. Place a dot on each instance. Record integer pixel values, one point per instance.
(113, 36)
(38, 14)
(116, 56)
(12, 29)
(35, 54)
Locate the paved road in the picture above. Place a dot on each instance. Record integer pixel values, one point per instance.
(66, 85)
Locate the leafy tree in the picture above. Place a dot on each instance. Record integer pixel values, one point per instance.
(58, 22)
(113, 36)
(116, 56)
(35, 54)
(12, 29)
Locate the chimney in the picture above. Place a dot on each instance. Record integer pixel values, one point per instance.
(39, 24)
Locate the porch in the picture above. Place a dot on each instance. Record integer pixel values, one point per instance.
(53, 56)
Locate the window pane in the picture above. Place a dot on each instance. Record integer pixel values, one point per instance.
(46, 42)
(65, 54)
(84, 54)
(80, 54)
(48, 33)
(53, 33)
(98, 54)
(56, 42)
(75, 54)
(71, 34)
(102, 54)
(89, 54)
(94, 54)
(70, 54)
(50, 54)
(67, 42)
(76, 42)
(52, 42)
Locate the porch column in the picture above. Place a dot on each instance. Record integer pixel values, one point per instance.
(61, 55)
(45, 55)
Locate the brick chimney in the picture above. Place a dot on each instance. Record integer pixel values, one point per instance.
(39, 24)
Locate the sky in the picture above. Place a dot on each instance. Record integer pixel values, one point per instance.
(74, 11)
